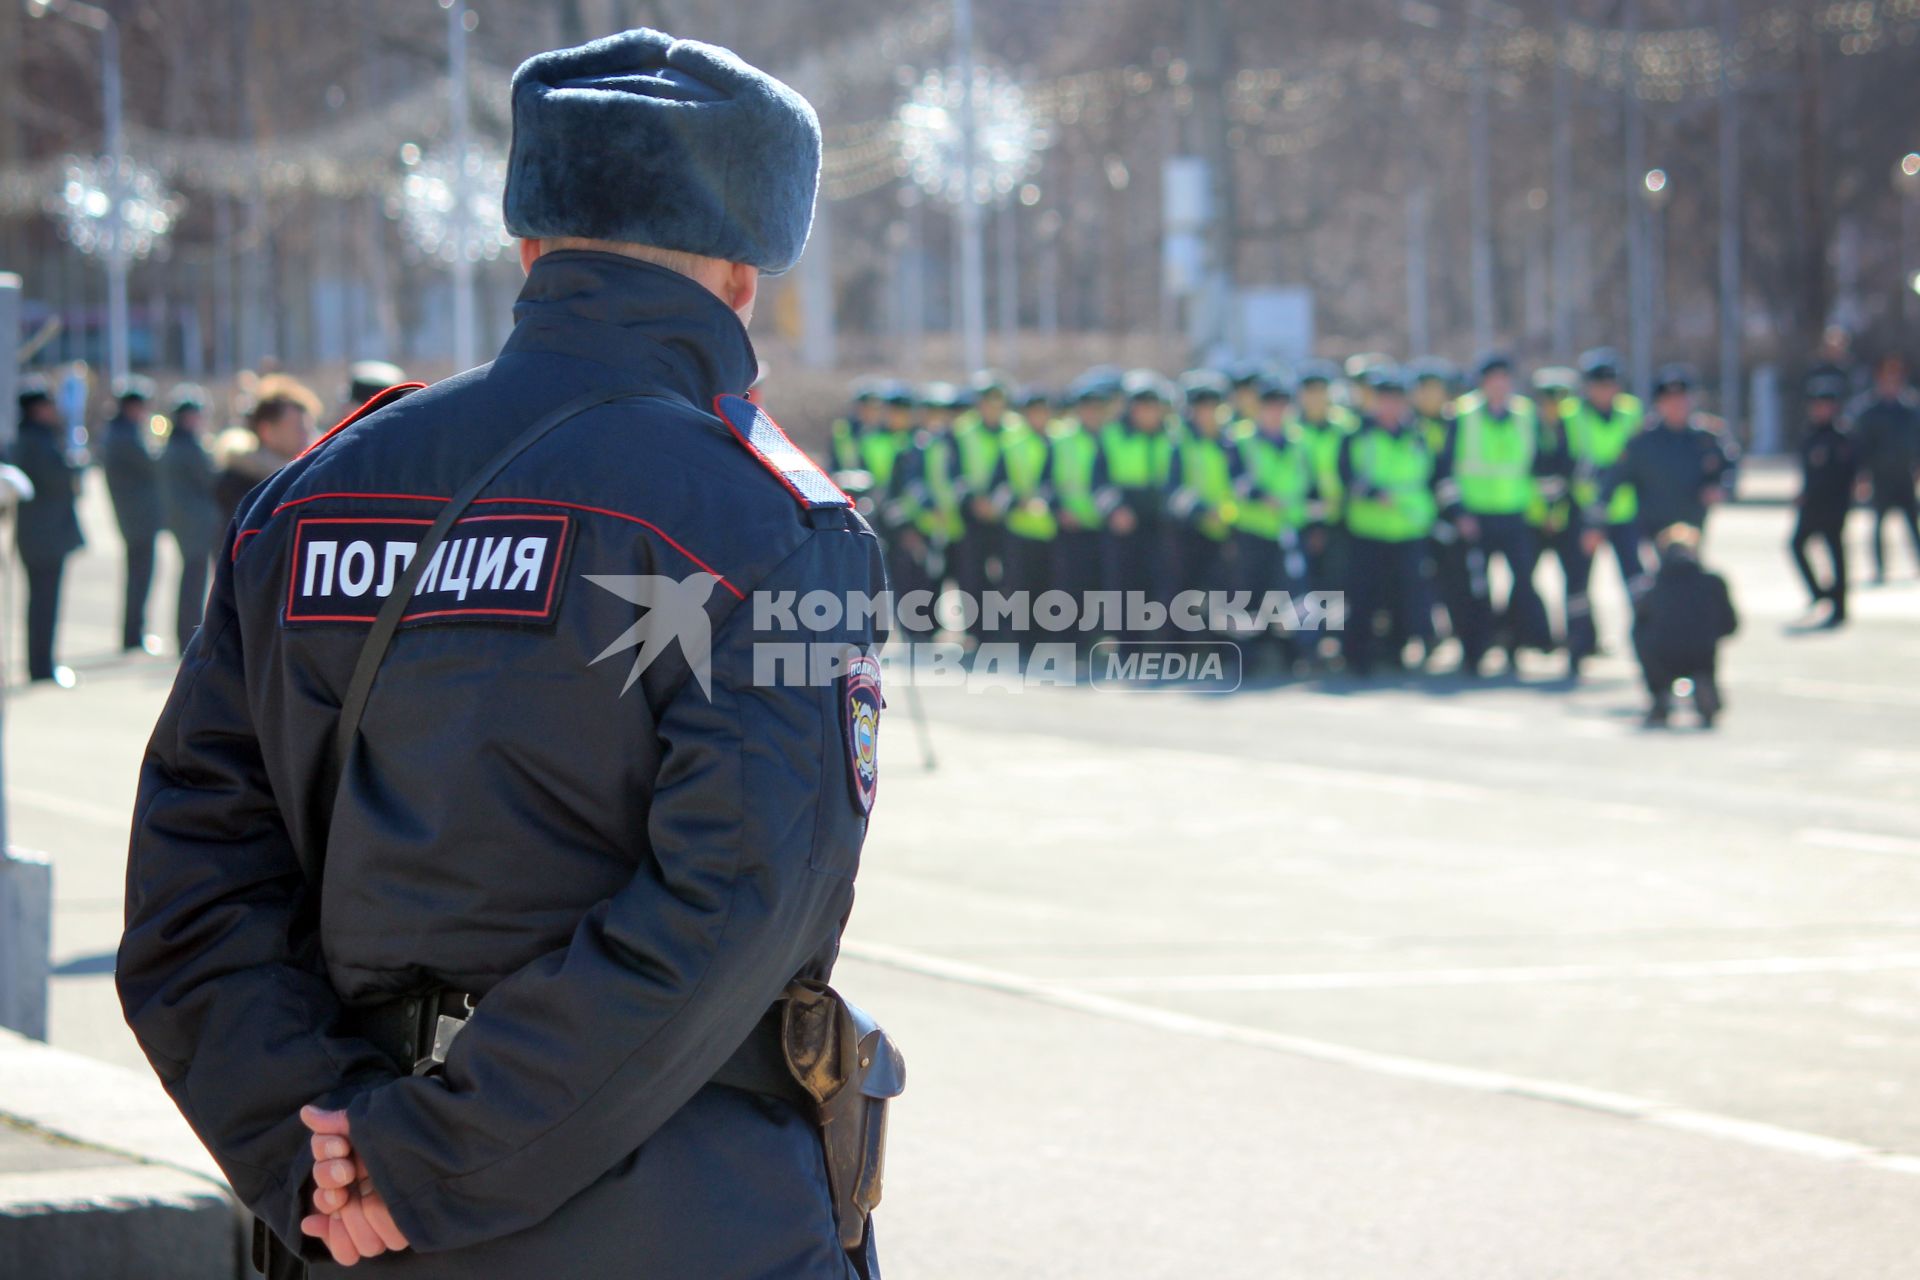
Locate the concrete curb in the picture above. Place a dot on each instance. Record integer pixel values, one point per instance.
(157, 1204)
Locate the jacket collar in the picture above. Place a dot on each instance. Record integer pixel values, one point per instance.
(652, 324)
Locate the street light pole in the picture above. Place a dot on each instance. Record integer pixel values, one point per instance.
(1906, 182)
(1731, 322)
(465, 343)
(1480, 162)
(973, 270)
(114, 127)
(1639, 322)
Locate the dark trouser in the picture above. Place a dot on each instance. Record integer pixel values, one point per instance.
(1576, 567)
(1903, 501)
(1207, 566)
(43, 614)
(1523, 623)
(1385, 578)
(195, 561)
(907, 573)
(133, 614)
(1077, 566)
(1453, 582)
(1660, 673)
(974, 563)
(1029, 569)
(1144, 564)
(1630, 553)
(1829, 527)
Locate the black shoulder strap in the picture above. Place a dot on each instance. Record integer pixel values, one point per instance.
(354, 705)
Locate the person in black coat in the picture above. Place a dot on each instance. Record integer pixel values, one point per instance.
(48, 531)
(1679, 625)
(1829, 463)
(193, 515)
(1887, 426)
(1680, 465)
(133, 481)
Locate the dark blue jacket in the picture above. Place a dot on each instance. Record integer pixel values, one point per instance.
(48, 527)
(628, 877)
(133, 478)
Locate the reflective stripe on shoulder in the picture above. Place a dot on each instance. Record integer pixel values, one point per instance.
(764, 439)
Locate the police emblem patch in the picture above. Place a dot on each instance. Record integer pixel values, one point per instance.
(860, 723)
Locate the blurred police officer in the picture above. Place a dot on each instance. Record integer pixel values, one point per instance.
(1680, 465)
(1485, 479)
(48, 530)
(1887, 427)
(1321, 425)
(1022, 491)
(126, 458)
(862, 418)
(192, 513)
(1452, 559)
(1556, 515)
(528, 1025)
(1203, 479)
(1828, 466)
(1274, 485)
(1136, 456)
(978, 553)
(1386, 473)
(368, 378)
(1599, 428)
(1074, 479)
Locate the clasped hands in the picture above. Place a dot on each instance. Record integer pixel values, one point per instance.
(349, 1216)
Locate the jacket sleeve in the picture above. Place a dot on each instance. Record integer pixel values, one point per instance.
(218, 974)
(569, 1065)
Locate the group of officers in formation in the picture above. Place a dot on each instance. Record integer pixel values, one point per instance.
(1397, 486)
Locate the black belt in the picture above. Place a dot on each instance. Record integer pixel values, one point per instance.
(414, 1031)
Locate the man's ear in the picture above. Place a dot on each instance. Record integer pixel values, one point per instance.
(529, 250)
(742, 288)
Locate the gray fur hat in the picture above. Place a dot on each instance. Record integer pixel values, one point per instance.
(671, 143)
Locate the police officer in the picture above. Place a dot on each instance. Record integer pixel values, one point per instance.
(1275, 482)
(1321, 425)
(1828, 463)
(1024, 501)
(1557, 517)
(1485, 479)
(193, 514)
(1679, 466)
(1887, 427)
(917, 502)
(1453, 575)
(1203, 483)
(1386, 473)
(1599, 427)
(133, 482)
(978, 554)
(1136, 456)
(1073, 477)
(369, 378)
(505, 999)
(48, 530)
(862, 419)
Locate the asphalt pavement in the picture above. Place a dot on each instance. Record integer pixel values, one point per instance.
(1410, 978)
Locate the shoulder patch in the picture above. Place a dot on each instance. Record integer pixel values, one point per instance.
(764, 439)
(860, 722)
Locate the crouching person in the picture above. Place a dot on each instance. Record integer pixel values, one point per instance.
(1678, 628)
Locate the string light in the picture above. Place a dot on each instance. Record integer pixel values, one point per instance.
(450, 208)
(1007, 139)
(113, 207)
